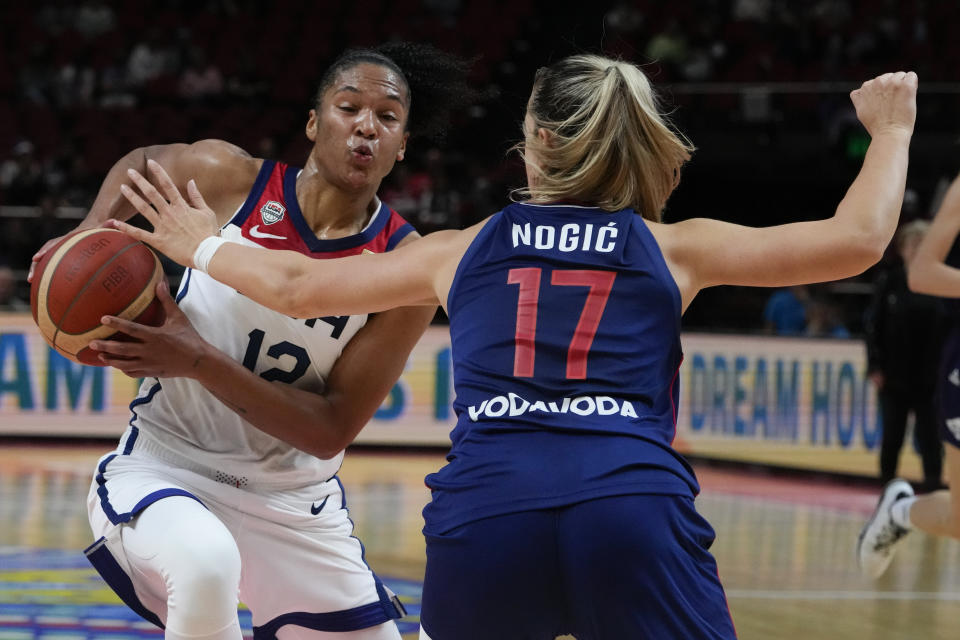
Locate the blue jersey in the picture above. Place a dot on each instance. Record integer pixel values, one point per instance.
(565, 332)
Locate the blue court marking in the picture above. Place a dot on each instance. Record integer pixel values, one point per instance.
(56, 594)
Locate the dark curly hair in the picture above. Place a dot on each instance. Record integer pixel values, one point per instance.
(436, 82)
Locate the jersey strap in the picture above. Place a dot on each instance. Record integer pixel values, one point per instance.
(271, 217)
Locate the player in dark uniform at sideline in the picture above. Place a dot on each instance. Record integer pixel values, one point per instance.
(934, 270)
(564, 508)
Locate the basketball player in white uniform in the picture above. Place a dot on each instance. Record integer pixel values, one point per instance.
(224, 483)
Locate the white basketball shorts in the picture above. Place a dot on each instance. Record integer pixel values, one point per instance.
(300, 563)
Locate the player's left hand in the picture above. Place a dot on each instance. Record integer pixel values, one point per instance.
(172, 350)
(178, 226)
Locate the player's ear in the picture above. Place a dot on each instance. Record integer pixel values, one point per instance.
(403, 147)
(311, 128)
(546, 136)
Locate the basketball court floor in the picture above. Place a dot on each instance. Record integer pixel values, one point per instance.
(784, 547)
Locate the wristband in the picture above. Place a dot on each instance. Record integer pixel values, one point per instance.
(205, 251)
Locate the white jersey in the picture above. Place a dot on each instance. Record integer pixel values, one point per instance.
(178, 421)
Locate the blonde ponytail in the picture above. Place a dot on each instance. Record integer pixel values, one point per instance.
(608, 144)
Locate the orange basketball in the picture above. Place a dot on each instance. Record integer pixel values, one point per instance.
(86, 276)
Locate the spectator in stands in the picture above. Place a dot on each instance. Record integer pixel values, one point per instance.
(201, 79)
(21, 176)
(785, 313)
(823, 320)
(440, 204)
(904, 337)
(669, 46)
(8, 292)
(149, 59)
(115, 87)
(401, 192)
(94, 18)
(245, 82)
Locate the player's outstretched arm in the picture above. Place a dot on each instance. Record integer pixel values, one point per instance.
(286, 281)
(223, 170)
(927, 272)
(703, 253)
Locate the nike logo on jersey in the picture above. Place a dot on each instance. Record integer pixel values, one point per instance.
(314, 509)
(954, 377)
(256, 233)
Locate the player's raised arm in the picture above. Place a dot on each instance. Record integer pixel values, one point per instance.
(705, 253)
(927, 272)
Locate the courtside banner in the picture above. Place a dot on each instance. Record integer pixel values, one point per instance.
(793, 402)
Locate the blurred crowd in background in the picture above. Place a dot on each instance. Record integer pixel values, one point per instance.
(760, 86)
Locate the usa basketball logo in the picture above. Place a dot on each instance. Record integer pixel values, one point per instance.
(271, 212)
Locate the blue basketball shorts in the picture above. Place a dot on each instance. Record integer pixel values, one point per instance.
(632, 566)
(948, 389)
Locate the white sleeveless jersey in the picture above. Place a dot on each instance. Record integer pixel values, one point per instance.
(177, 420)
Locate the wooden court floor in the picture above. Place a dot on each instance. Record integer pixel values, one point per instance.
(784, 547)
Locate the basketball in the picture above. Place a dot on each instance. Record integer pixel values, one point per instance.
(86, 276)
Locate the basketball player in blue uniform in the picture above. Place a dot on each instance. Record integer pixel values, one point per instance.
(225, 484)
(934, 270)
(563, 507)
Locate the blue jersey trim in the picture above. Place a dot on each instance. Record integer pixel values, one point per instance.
(390, 606)
(109, 569)
(315, 244)
(184, 286)
(101, 480)
(659, 261)
(134, 430)
(146, 501)
(255, 192)
(362, 617)
(399, 235)
(467, 258)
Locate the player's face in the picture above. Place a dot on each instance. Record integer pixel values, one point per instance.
(359, 127)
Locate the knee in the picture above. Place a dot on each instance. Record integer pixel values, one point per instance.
(208, 568)
(204, 568)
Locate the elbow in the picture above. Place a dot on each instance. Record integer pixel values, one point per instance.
(873, 245)
(325, 453)
(916, 279)
(330, 448)
(863, 253)
(331, 433)
(914, 282)
(324, 447)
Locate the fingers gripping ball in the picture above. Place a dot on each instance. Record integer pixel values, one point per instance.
(89, 275)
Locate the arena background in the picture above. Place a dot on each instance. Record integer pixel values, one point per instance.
(759, 86)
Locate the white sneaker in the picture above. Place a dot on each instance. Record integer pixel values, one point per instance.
(879, 537)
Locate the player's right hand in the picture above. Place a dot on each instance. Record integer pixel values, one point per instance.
(888, 103)
(179, 226)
